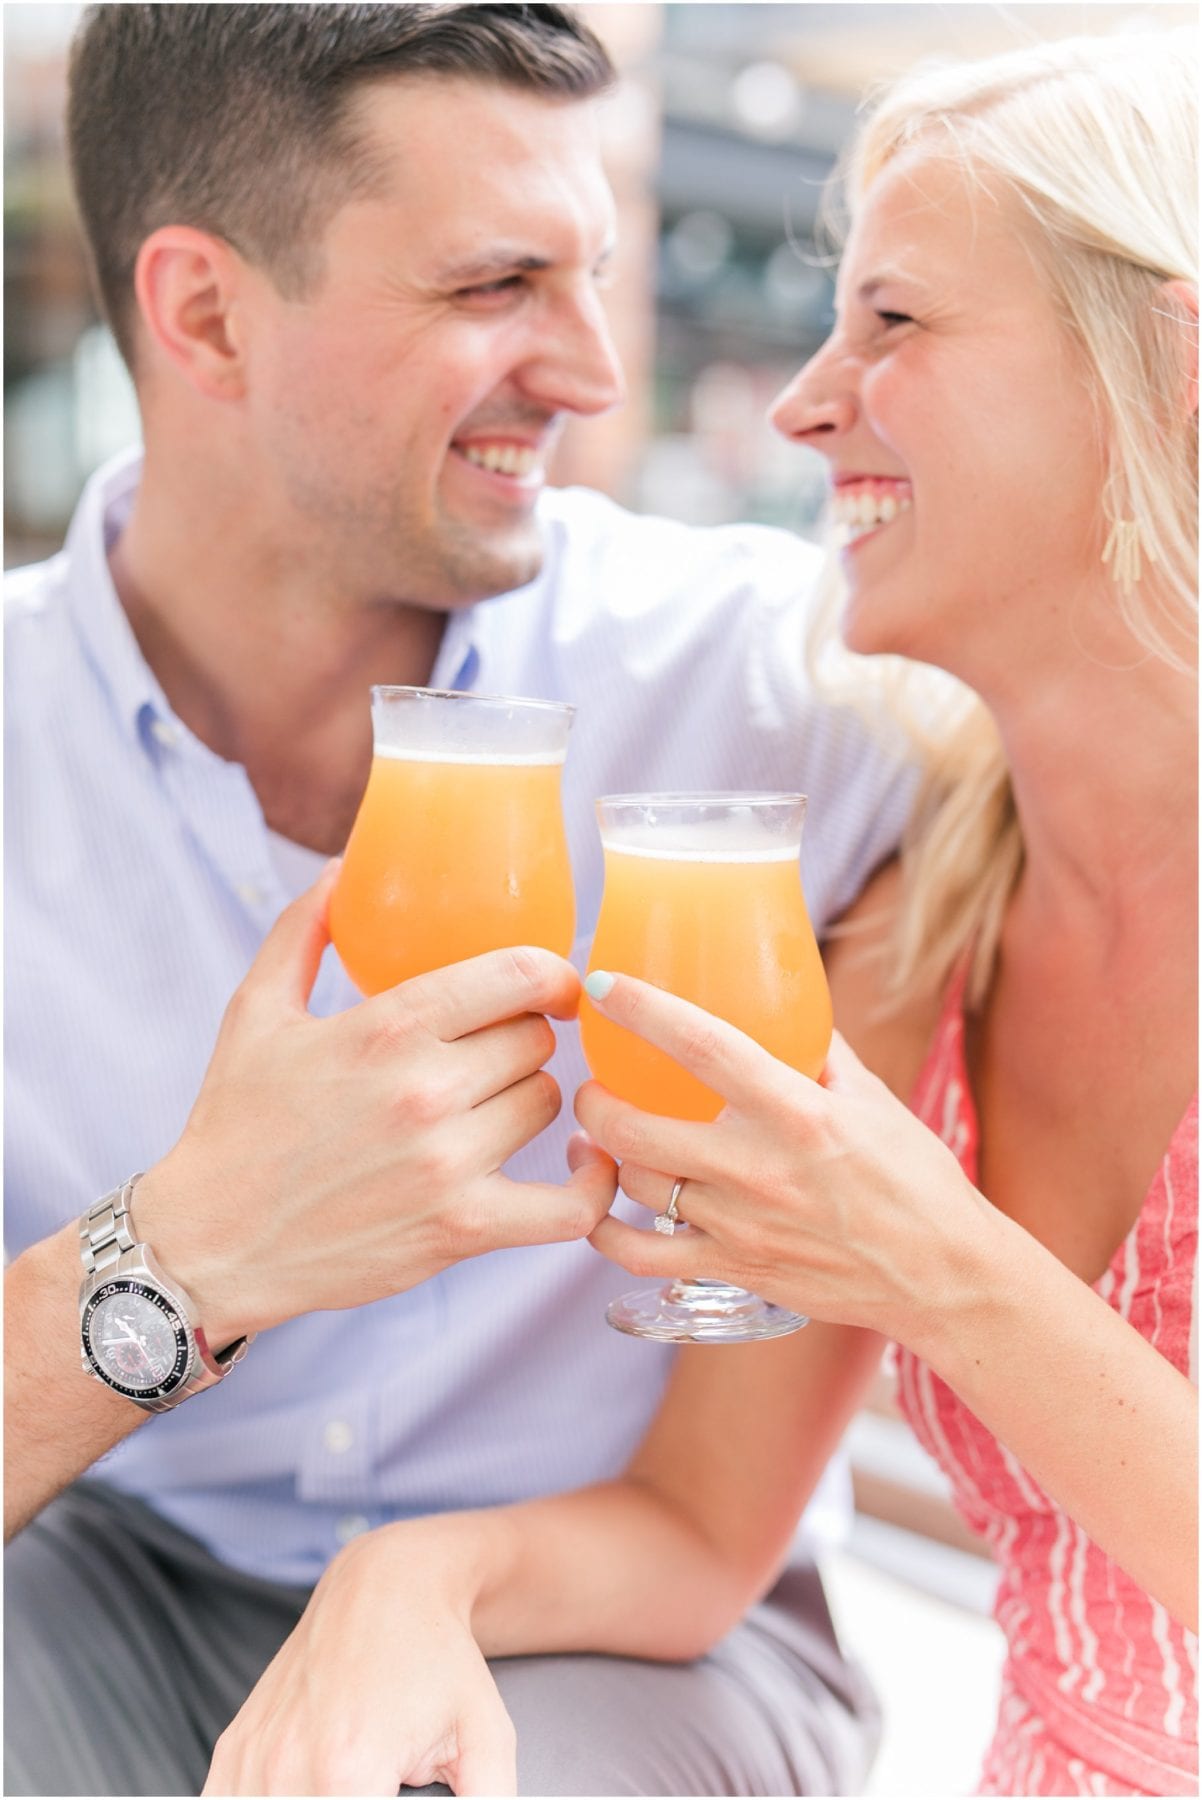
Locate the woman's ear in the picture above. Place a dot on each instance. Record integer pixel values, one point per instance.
(1182, 297)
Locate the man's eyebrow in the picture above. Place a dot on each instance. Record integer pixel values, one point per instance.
(502, 260)
(493, 262)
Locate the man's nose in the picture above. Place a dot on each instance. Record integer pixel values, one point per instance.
(575, 367)
(818, 406)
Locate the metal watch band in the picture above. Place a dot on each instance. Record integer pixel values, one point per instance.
(105, 1230)
(109, 1247)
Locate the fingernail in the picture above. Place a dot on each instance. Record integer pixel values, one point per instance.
(598, 984)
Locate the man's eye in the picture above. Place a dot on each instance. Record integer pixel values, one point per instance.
(503, 285)
(894, 318)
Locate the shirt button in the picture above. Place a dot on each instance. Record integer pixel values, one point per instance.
(250, 893)
(352, 1526)
(338, 1436)
(164, 733)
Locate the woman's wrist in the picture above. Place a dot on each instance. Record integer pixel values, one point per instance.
(972, 1277)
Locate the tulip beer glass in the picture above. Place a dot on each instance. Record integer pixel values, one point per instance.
(459, 844)
(703, 897)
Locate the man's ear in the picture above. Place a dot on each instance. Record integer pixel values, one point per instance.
(1182, 297)
(188, 284)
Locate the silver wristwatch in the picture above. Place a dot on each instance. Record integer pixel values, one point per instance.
(140, 1332)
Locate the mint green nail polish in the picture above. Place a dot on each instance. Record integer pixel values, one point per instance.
(598, 984)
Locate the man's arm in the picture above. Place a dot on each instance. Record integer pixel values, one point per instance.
(659, 1563)
(56, 1423)
(385, 1682)
(326, 1163)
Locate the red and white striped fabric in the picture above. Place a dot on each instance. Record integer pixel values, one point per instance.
(1099, 1684)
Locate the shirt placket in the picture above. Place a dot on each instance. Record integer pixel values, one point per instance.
(219, 808)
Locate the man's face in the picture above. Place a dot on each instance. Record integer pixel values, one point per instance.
(406, 406)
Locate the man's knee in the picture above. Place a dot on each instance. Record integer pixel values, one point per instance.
(608, 1725)
(46, 1748)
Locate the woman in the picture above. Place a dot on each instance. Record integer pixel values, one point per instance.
(1008, 409)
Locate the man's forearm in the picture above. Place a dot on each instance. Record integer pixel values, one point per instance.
(56, 1421)
(662, 1561)
(608, 1568)
(614, 1568)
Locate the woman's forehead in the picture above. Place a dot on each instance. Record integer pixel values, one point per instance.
(929, 214)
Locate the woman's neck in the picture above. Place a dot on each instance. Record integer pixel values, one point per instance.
(1104, 767)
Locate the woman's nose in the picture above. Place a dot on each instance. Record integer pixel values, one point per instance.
(813, 410)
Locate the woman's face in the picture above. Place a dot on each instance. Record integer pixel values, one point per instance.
(951, 405)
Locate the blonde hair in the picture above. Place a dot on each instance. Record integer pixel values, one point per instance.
(1097, 139)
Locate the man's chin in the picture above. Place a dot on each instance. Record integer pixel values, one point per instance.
(478, 566)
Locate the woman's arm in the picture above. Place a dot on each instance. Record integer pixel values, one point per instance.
(836, 1201)
(1104, 1423)
(710, 1502)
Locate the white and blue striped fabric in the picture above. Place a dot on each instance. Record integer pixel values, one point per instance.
(140, 881)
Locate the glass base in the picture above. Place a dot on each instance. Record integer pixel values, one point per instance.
(701, 1312)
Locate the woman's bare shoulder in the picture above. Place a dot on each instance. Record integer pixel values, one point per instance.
(892, 1039)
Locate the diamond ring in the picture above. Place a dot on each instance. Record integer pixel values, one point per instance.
(668, 1220)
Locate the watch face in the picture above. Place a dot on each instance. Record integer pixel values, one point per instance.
(136, 1339)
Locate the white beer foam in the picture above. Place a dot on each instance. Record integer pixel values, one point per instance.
(659, 853)
(484, 759)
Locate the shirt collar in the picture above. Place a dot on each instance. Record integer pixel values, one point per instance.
(463, 660)
(461, 654)
(466, 659)
(97, 612)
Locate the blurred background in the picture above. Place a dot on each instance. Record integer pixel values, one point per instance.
(727, 125)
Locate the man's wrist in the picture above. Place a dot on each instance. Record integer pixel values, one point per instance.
(167, 1216)
(450, 1554)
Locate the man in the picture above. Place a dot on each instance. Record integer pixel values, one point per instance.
(352, 256)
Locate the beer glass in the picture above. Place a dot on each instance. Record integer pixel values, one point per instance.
(703, 897)
(459, 844)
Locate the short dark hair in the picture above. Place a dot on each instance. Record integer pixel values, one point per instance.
(234, 119)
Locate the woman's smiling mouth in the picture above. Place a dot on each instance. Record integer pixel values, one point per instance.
(860, 506)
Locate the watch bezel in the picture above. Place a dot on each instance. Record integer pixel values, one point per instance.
(167, 1305)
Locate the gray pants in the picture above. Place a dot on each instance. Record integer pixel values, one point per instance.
(128, 1649)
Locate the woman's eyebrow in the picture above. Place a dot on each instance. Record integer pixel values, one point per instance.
(867, 290)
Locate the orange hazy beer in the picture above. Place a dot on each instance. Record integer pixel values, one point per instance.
(725, 927)
(453, 852)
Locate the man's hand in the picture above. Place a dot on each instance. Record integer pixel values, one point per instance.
(381, 1683)
(329, 1162)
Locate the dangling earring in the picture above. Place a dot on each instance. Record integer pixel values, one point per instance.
(1123, 550)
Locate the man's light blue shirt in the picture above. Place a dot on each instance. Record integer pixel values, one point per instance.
(141, 880)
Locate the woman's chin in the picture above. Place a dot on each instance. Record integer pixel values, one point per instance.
(865, 631)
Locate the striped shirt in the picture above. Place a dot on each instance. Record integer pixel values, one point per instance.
(1099, 1683)
(141, 880)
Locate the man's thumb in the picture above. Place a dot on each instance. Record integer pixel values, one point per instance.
(291, 953)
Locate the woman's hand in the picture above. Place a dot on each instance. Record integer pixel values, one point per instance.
(831, 1198)
(381, 1683)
